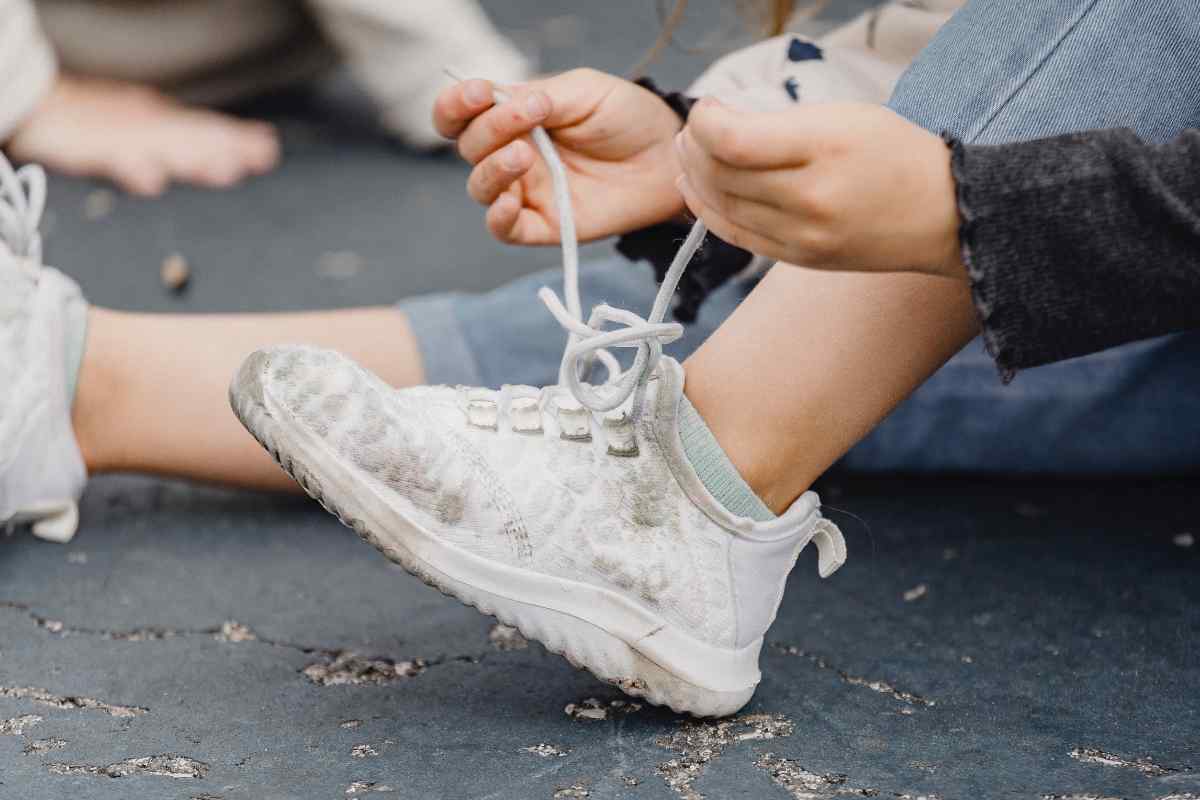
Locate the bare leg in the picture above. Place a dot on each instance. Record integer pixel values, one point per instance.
(812, 361)
(152, 390)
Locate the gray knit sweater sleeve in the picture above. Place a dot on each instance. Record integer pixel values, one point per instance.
(1081, 242)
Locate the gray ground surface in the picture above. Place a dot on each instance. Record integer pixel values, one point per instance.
(190, 642)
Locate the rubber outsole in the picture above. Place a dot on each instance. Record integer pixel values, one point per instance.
(583, 644)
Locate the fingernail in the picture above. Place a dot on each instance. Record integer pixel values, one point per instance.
(681, 183)
(477, 93)
(679, 143)
(536, 106)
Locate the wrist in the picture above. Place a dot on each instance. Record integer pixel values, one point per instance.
(668, 117)
(946, 253)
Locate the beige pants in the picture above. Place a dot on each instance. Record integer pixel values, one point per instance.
(213, 51)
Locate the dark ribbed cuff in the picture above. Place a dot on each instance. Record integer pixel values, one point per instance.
(680, 103)
(983, 290)
(1077, 243)
(714, 264)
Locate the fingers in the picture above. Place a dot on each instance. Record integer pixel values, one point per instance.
(736, 233)
(747, 140)
(510, 222)
(711, 177)
(504, 123)
(457, 105)
(499, 171)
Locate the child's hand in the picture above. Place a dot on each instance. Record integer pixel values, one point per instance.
(140, 139)
(849, 187)
(614, 137)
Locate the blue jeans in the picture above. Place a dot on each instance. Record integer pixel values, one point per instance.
(990, 75)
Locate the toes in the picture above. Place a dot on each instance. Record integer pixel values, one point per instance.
(218, 151)
(139, 174)
(260, 147)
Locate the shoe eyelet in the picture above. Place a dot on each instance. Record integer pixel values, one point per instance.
(482, 412)
(574, 424)
(620, 434)
(526, 414)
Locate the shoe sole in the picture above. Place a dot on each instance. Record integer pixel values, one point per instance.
(585, 643)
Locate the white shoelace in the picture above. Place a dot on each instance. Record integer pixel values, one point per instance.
(22, 201)
(589, 342)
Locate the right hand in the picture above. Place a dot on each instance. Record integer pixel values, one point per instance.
(614, 137)
(139, 138)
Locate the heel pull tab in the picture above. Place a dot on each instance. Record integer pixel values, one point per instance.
(57, 523)
(831, 547)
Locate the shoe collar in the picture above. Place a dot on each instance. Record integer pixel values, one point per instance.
(665, 391)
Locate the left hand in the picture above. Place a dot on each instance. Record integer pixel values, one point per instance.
(842, 187)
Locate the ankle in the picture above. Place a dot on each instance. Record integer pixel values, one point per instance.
(714, 469)
(776, 492)
(97, 389)
(757, 450)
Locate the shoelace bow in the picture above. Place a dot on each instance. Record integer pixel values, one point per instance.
(589, 342)
(22, 201)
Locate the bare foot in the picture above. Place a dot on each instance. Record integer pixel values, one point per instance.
(140, 139)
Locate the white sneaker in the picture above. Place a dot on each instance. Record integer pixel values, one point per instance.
(589, 532)
(569, 512)
(41, 469)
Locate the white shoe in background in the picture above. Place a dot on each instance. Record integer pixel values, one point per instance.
(42, 473)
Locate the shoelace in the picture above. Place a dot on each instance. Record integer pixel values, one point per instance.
(22, 201)
(589, 342)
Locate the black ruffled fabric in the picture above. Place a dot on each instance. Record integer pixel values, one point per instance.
(714, 264)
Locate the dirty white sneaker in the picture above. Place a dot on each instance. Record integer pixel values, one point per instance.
(589, 532)
(570, 512)
(41, 470)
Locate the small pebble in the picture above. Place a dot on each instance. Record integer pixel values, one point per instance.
(916, 593)
(175, 273)
(1184, 540)
(99, 204)
(76, 557)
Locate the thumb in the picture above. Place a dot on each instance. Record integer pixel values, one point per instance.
(752, 139)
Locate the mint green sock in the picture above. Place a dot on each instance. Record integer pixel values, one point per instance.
(714, 468)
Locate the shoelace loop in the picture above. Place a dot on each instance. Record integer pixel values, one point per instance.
(589, 342)
(22, 201)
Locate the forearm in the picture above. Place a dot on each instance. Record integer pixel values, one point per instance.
(1079, 243)
(26, 61)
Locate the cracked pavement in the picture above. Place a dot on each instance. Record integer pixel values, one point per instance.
(1054, 655)
(200, 644)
